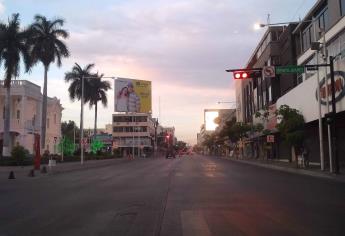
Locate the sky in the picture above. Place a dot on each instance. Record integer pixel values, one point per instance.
(182, 46)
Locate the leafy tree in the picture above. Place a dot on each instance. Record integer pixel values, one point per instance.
(47, 47)
(96, 145)
(13, 48)
(235, 130)
(67, 146)
(68, 129)
(99, 94)
(19, 153)
(291, 126)
(209, 141)
(181, 145)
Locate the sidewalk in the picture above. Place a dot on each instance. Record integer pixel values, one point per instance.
(61, 167)
(289, 167)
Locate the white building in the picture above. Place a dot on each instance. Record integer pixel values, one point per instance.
(133, 132)
(25, 121)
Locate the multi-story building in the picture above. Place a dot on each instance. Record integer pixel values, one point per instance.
(25, 121)
(276, 48)
(324, 23)
(292, 45)
(133, 133)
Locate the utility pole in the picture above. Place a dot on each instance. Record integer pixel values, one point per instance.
(334, 112)
(319, 105)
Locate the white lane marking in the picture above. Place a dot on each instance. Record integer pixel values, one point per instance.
(194, 223)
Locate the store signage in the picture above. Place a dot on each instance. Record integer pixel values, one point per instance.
(326, 88)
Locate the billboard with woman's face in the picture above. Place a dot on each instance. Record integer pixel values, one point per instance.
(133, 95)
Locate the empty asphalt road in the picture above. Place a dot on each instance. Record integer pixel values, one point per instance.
(194, 196)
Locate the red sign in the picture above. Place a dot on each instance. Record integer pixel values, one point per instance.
(84, 141)
(37, 149)
(270, 138)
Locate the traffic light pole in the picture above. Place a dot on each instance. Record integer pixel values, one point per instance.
(334, 112)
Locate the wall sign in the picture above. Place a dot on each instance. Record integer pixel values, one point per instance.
(339, 81)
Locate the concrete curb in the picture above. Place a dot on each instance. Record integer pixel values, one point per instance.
(292, 170)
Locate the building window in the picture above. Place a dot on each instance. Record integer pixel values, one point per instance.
(323, 19)
(275, 60)
(342, 7)
(18, 114)
(33, 120)
(54, 118)
(307, 38)
(48, 123)
(3, 113)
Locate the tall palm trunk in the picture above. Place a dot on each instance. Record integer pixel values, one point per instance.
(95, 127)
(7, 123)
(44, 109)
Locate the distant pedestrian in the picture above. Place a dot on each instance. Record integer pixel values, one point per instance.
(305, 156)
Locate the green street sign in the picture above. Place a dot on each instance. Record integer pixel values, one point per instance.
(289, 69)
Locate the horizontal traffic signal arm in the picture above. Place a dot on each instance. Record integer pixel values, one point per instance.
(244, 69)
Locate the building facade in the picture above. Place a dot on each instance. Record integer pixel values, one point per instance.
(292, 45)
(325, 23)
(133, 133)
(25, 121)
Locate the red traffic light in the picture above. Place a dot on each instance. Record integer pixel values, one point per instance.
(247, 74)
(241, 75)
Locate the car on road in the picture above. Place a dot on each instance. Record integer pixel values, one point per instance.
(170, 153)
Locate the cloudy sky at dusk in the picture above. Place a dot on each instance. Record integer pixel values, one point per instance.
(182, 46)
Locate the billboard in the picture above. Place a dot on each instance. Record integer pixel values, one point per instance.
(210, 116)
(132, 95)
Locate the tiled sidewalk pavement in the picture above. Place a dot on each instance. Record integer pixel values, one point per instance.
(291, 167)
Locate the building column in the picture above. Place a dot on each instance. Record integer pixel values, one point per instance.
(22, 121)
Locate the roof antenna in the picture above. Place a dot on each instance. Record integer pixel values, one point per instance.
(268, 19)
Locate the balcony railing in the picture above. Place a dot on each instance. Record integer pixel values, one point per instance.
(17, 126)
(23, 84)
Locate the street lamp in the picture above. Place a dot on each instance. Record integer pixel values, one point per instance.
(258, 26)
(82, 115)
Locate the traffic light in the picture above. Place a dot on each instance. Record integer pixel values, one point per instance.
(250, 74)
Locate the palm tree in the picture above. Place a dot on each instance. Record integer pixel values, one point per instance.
(13, 47)
(47, 47)
(75, 77)
(99, 93)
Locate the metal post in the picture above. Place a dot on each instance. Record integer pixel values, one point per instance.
(73, 133)
(81, 122)
(334, 111)
(320, 115)
(133, 135)
(327, 101)
(62, 143)
(319, 107)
